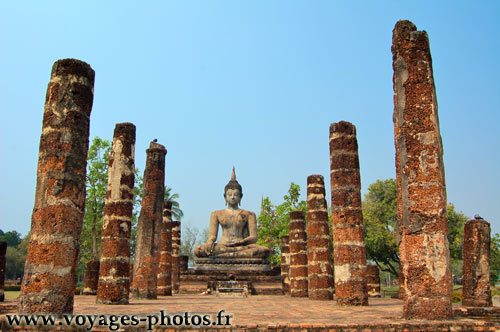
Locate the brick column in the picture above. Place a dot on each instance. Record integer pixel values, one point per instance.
(372, 280)
(319, 258)
(298, 254)
(476, 257)
(424, 251)
(349, 254)
(144, 285)
(114, 279)
(3, 252)
(50, 270)
(285, 265)
(91, 278)
(176, 249)
(165, 267)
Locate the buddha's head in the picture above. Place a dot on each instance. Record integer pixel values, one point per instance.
(233, 191)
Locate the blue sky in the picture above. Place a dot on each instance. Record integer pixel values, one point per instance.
(254, 84)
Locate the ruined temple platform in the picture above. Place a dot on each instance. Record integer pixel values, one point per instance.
(282, 313)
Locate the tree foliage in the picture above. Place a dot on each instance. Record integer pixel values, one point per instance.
(177, 213)
(12, 238)
(274, 220)
(96, 186)
(380, 218)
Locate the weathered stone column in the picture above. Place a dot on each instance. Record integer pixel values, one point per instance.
(114, 279)
(285, 265)
(424, 251)
(372, 280)
(319, 257)
(50, 270)
(176, 249)
(165, 267)
(349, 253)
(298, 254)
(144, 285)
(91, 277)
(3, 252)
(476, 257)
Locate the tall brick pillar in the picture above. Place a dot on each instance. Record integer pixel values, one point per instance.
(144, 285)
(424, 252)
(285, 265)
(50, 270)
(476, 257)
(372, 280)
(298, 254)
(114, 278)
(91, 277)
(176, 249)
(349, 254)
(319, 257)
(3, 252)
(165, 266)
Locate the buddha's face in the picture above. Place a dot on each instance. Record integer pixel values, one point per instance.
(233, 196)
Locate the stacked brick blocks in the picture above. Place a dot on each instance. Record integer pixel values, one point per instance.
(91, 278)
(114, 279)
(176, 250)
(285, 265)
(298, 254)
(50, 270)
(165, 266)
(144, 285)
(319, 258)
(372, 280)
(349, 254)
(424, 252)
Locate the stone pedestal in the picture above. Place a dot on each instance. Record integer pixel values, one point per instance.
(221, 264)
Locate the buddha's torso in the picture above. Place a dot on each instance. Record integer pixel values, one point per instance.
(234, 224)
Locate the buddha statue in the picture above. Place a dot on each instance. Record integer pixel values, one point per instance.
(239, 231)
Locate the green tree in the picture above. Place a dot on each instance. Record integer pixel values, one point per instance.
(177, 213)
(495, 259)
(456, 223)
(14, 263)
(380, 218)
(96, 186)
(12, 238)
(274, 220)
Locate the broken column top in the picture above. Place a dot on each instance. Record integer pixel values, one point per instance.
(343, 127)
(73, 67)
(406, 36)
(315, 178)
(155, 146)
(125, 127)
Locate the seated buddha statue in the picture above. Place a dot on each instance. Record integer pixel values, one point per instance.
(239, 229)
